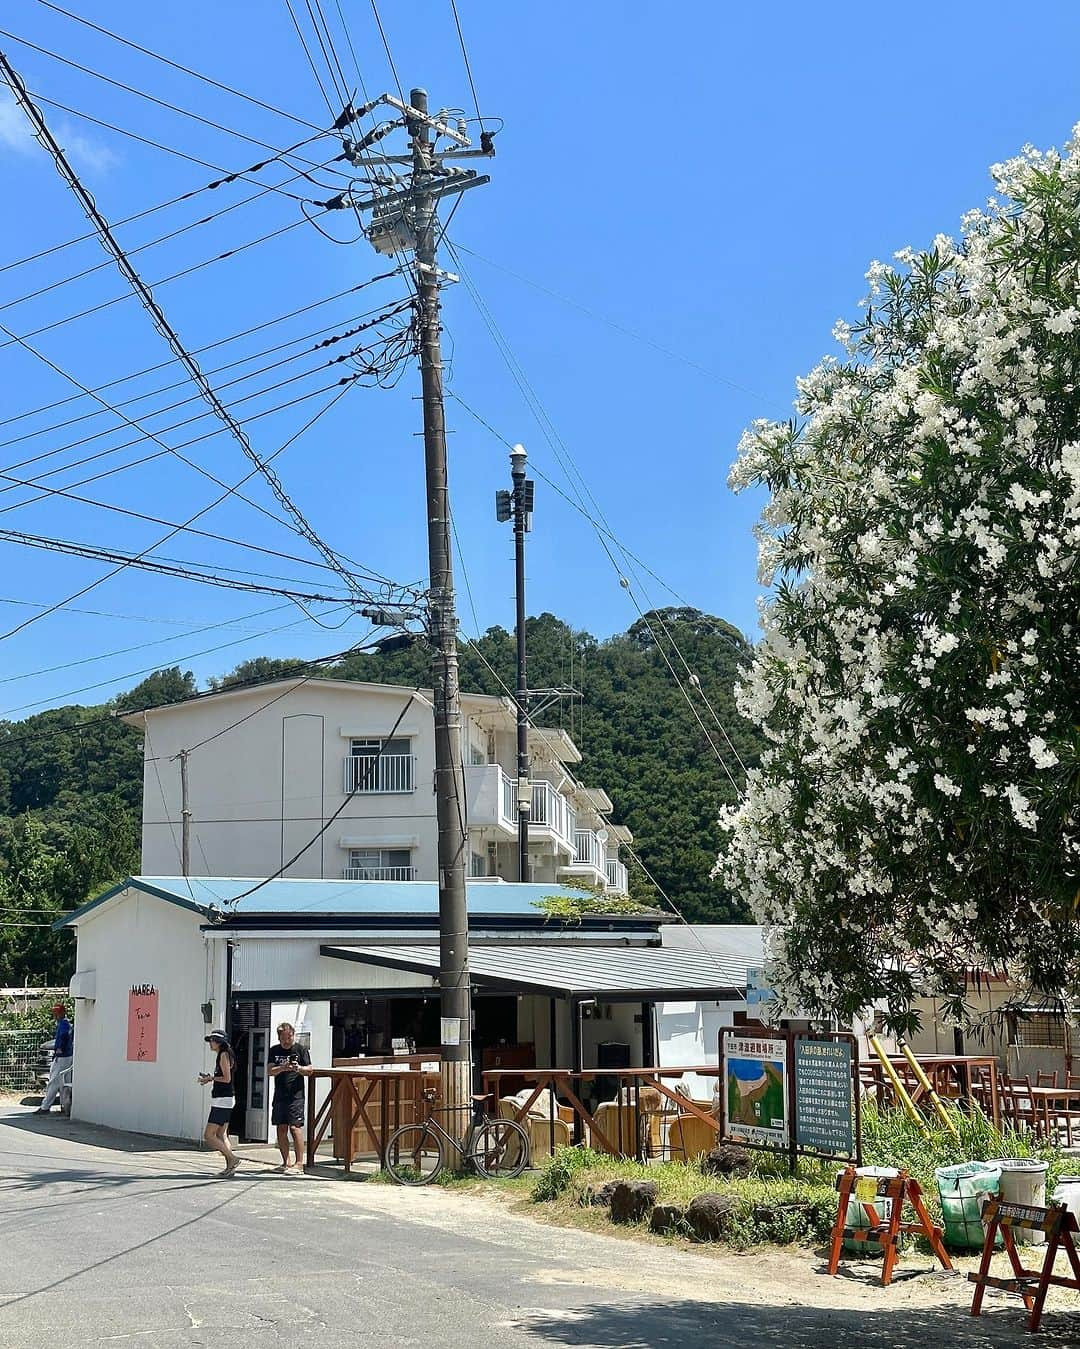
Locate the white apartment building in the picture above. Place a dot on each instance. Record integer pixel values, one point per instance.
(323, 772)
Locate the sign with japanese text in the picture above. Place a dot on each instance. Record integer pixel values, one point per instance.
(142, 1024)
(757, 990)
(824, 1097)
(754, 1080)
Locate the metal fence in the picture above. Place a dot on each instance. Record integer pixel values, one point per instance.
(20, 1057)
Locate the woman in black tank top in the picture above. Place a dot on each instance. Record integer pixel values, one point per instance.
(222, 1099)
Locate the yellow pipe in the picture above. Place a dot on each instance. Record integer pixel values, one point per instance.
(924, 1082)
(898, 1087)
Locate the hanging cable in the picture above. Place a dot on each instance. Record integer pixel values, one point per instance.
(151, 98)
(186, 70)
(165, 328)
(198, 351)
(161, 281)
(141, 558)
(465, 58)
(386, 49)
(229, 178)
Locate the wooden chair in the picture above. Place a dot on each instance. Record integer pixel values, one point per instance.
(1019, 1104)
(1046, 1079)
(545, 1133)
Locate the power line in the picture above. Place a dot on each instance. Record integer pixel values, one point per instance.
(142, 248)
(164, 327)
(229, 178)
(144, 140)
(195, 440)
(210, 346)
(7, 741)
(566, 461)
(311, 60)
(386, 48)
(186, 70)
(149, 669)
(465, 58)
(140, 559)
(129, 618)
(617, 327)
(151, 98)
(161, 281)
(141, 646)
(175, 449)
(182, 402)
(215, 370)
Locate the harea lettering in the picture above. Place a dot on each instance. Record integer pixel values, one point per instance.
(144, 990)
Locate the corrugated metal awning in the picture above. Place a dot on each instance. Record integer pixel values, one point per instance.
(630, 973)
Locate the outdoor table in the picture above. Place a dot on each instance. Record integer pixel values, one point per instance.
(961, 1066)
(1058, 1101)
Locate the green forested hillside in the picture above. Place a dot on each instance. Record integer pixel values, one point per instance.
(71, 781)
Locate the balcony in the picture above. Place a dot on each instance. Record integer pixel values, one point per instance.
(379, 874)
(492, 799)
(616, 877)
(552, 817)
(588, 858)
(379, 775)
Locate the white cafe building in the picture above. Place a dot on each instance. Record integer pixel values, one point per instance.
(301, 776)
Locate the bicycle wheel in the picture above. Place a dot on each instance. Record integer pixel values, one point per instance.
(414, 1154)
(500, 1149)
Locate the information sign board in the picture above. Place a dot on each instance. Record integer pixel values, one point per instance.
(824, 1097)
(754, 1081)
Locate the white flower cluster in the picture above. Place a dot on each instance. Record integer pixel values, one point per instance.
(918, 680)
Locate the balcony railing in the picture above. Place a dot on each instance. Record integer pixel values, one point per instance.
(379, 874)
(588, 851)
(370, 775)
(552, 811)
(616, 876)
(491, 797)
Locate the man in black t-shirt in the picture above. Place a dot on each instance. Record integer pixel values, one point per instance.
(289, 1064)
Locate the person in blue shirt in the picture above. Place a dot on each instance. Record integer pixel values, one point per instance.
(63, 1052)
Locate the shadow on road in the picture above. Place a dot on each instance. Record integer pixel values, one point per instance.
(675, 1324)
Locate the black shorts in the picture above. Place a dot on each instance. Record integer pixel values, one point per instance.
(288, 1110)
(220, 1114)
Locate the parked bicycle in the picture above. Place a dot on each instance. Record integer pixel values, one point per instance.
(495, 1148)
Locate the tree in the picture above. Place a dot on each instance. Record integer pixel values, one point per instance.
(259, 669)
(916, 810)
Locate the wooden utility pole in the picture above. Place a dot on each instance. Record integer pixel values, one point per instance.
(185, 817)
(454, 992)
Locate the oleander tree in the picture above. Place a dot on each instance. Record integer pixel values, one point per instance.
(918, 679)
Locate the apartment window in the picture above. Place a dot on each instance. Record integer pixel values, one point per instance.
(478, 865)
(377, 766)
(380, 864)
(476, 754)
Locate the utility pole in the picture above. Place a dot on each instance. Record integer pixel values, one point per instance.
(517, 504)
(185, 817)
(454, 991)
(406, 190)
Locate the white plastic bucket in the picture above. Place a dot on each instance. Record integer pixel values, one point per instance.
(856, 1216)
(1023, 1181)
(1068, 1193)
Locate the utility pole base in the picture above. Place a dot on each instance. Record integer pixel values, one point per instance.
(456, 1091)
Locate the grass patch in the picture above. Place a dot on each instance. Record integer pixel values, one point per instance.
(776, 1208)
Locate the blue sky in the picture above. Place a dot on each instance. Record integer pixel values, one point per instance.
(689, 196)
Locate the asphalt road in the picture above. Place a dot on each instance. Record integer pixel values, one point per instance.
(110, 1239)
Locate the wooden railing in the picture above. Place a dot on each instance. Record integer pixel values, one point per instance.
(366, 1104)
(632, 1128)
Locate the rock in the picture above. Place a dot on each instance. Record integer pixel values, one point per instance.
(707, 1213)
(599, 1195)
(666, 1218)
(727, 1160)
(633, 1200)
